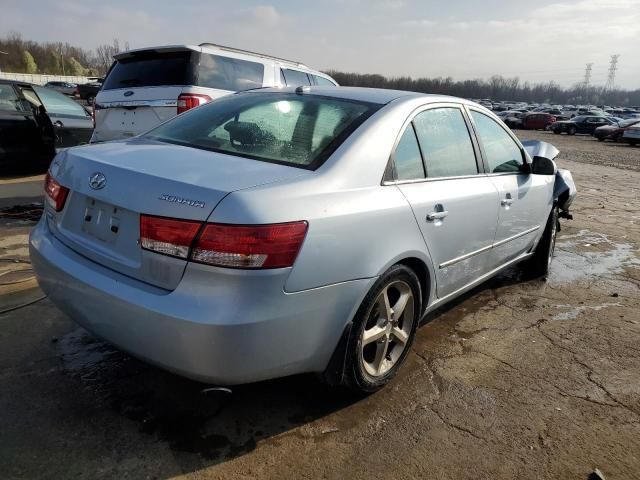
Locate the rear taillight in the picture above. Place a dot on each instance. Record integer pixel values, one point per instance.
(56, 194)
(223, 245)
(167, 235)
(187, 101)
(250, 246)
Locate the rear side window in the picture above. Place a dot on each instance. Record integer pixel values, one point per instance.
(502, 153)
(295, 78)
(295, 130)
(152, 69)
(229, 73)
(407, 159)
(323, 82)
(445, 142)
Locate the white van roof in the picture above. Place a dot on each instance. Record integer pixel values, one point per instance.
(208, 46)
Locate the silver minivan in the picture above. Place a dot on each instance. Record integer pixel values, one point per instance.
(145, 87)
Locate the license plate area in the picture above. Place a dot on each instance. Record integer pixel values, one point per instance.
(102, 220)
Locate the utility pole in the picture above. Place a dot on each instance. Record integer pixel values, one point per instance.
(611, 78)
(587, 81)
(62, 60)
(587, 75)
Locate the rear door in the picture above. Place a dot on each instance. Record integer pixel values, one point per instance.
(456, 207)
(524, 199)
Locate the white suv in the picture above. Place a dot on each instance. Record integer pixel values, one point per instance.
(148, 86)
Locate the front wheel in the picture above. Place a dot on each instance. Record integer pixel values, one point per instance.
(539, 264)
(383, 330)
(572, 131)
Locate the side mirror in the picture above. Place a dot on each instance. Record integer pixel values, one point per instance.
(543, 166)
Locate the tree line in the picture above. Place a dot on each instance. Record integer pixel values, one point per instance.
(55, 58)
(495, 88)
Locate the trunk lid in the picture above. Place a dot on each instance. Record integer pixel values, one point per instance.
(145, 177)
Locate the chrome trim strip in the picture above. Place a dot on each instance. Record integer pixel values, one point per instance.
(448, 263)
(453, 261)
(138, 103)
(517, 235)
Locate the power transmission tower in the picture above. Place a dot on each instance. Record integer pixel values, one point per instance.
(587, 75)
(611, 78)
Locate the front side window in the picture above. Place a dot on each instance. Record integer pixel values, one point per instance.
(227, 73)
(295, 78)
(407, 158)
(296, 130)
(502, 153)
(445, 142)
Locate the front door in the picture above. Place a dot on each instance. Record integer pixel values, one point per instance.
(525, 199)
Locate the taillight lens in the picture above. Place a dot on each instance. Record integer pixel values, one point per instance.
(187, 101)
(250, 246)
(223, 245)
(167, 235)
(56, 194)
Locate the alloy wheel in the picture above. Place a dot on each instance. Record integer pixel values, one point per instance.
(388, 328)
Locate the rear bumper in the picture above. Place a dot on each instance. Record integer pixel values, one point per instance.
(219, 326)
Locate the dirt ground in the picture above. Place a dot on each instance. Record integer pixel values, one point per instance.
(518, 379)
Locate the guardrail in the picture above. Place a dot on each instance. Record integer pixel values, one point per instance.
(42, 79)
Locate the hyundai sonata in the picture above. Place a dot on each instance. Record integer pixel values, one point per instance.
(283, 231)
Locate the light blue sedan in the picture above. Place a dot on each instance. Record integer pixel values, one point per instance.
(284, 231)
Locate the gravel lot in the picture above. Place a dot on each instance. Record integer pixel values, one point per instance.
(519, 379)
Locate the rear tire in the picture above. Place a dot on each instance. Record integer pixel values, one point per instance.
(383, 330)
(555, 132)
(572, 131)
(539, 264)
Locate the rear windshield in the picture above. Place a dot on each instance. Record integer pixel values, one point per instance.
(152, 69)
(290, 129)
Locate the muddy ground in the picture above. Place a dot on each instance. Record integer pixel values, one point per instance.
(519, 379)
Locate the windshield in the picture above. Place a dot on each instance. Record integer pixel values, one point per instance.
(628, 123)
(291, 129)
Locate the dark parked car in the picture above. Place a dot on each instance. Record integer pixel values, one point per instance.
(65, 88)
(615, 131)
(88, 91)
(537, 121)
(580, 124)
(35, 121)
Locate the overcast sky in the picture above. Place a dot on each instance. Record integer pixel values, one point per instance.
(536, 40)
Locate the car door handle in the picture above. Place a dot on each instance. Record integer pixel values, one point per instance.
(436, 215)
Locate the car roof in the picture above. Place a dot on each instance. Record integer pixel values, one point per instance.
(6, 81)
(372, 95)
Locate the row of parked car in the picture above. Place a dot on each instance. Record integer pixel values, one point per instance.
(83, 91)
(596, 122)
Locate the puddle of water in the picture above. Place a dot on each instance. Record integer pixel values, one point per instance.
(574, 311)
(588, 255)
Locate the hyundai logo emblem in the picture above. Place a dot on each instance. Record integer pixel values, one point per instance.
(97, 181)
(128, 93)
